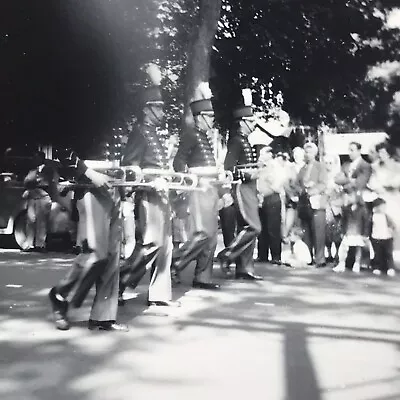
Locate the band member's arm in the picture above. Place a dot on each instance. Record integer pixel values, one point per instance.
(185, 148)
(69, 159)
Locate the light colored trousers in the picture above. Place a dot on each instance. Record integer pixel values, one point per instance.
(100, 211)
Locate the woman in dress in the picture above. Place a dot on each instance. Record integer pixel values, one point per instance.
(385, 182)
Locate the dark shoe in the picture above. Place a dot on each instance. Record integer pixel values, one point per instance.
(164, 303)
(321, 265)
(276, 262)
(261, 260)
(224, 263)
(29, 250)
(60, 309)
(249, 276)
(206, 285)
(60, 321)
(76, 250)
(107, 326)
(40, 249)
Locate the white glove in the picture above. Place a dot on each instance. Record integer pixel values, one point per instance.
(98, 179)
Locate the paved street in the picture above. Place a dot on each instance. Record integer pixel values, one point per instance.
(299, 335)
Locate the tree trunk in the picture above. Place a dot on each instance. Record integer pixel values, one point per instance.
(198, 67)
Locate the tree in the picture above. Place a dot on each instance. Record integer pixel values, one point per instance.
(316, 53)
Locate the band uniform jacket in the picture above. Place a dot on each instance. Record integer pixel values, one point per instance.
(239, 152)
(196, 150)
(146, 148)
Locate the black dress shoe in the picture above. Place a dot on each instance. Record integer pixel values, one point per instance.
(107, 326)
(321, 265)
(60, 309)
(249, 276)
(164, 303)
(276, 262)
(224, 263)
(206, 285)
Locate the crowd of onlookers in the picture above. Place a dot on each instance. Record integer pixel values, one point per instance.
(335, 209)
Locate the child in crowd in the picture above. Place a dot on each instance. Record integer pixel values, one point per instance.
(382, 232)
(356, 227)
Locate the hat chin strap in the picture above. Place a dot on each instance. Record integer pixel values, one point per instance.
(209, 126)
(248, 126)
(157, 120)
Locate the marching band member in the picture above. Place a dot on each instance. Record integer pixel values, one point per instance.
(146, 148)
(240, 152)
(196, 153)
(99, 263)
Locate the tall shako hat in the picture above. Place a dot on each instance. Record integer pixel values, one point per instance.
(151, 94)
(244, 110)
(201, 102)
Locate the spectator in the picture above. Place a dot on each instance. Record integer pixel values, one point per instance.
(270, 186)
(291, 198)
(334, 206)
(385, 182)
(356, 231)
(382, 232)
(39, 203)
(356, 174)
(310, 186)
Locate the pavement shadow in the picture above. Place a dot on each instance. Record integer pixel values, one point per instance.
(37, 362)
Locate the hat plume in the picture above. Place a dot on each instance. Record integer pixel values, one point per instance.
(154, 73)
(247, 97)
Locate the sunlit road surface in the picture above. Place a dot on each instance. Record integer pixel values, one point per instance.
(300, 335)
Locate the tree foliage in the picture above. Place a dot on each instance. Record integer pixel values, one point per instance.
(316, 53)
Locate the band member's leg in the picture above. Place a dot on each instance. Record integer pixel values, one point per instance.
(89, 266)
(204, 222)
(227, 217)
(274, 225)
(263, 239)
(154, 247)
(101, 213)
(150, 239)
(242, 247)
(129, 226)
(160, 281)
(204, 267)
(105, 303)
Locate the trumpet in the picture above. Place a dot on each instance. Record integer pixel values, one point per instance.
(174, 180)
(134, 176)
